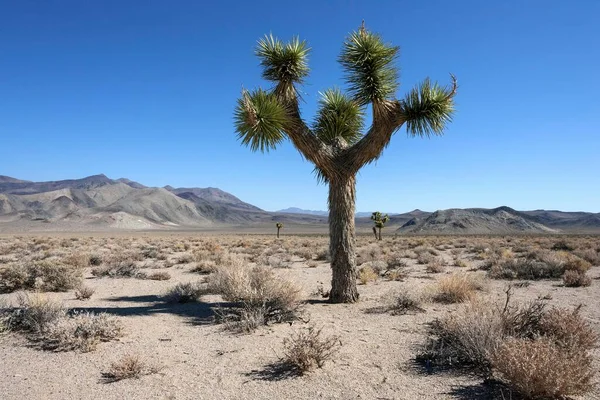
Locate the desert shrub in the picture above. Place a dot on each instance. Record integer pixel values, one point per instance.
(84, 292)
(185, 292)
(460, 263)
(130, 366)
(575, 263)
(14, 277)
(568, 330)
(436, 266)
(304, 252)
(540, 369)
(323, 255)
(255, 288)
(539, 352)
(404, 302)
(150, 252)
(185, 259)
(204, 267)
(573, 278)
(81, 331)
(95, 260)
(159, 276)
(36, 313)
(562, 245)
(45, 275)
(308, 349)
(366, 275)
(456, 288)
(425, 258)
(119, 269)
(467, 338)
(590, 255)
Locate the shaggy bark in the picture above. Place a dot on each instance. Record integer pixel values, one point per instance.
(342, 197)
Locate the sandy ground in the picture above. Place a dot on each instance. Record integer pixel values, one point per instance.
(200, 360)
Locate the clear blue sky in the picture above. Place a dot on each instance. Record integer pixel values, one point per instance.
(146, 90)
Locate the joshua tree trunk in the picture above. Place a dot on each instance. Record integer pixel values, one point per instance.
(375, 232)
(379, 233)
(342, 196)
(278, 233)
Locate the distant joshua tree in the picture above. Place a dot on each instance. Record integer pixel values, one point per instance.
(279, 225)
(379, 220)
(334, 141)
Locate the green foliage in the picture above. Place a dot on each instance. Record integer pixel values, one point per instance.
(259, 120)
(283, 62)
(428, 108)
(338, 117)
(279, 225)
(368, 63)
(379, 219)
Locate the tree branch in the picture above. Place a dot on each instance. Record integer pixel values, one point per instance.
(387, 118)
(311, 147)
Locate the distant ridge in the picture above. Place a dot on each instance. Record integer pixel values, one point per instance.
(475, 221)
(98, 202)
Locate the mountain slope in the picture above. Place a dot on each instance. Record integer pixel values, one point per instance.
(212, 195)
(475, 221)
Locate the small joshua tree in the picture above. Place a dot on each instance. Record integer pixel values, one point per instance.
(279, 225)
(379, 220)
(335, 142)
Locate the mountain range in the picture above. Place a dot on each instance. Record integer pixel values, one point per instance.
(100, 203)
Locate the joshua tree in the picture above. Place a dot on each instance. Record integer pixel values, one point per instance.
(334, 141)
(380, 220)
(279, 225)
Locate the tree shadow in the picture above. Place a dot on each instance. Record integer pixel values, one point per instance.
(486, 390)
(276, 371)
(196, 313)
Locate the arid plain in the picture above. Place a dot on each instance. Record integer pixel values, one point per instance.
(213, 316)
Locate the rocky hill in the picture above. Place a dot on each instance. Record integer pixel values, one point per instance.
(475, 221)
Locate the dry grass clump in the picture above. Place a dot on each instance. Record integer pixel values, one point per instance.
(256, 293)
(405, 302)
(541, 370)
(81, 331)
(436, 266)
(539, 352)
(185, 292)
(119, 269)
(45, 275)
(84, 292)
(308, 349)
(159, 276)
(130, 366)
(572, 278)
(204, 267)
(36, 313)
(367, 274)
(456, 288)
(50, 326)
(536, 265)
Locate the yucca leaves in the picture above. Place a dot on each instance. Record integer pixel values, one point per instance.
(369, 65)
(283, 62)
(428, 108)
(260, 120)
(338, 116)
(379, 219)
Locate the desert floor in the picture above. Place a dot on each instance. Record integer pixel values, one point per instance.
(195, 358)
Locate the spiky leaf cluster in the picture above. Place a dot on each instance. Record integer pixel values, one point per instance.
(379, 219)
(283, 62)
(427, 108)
(338, 117)
(260, 120)
(369, 65)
